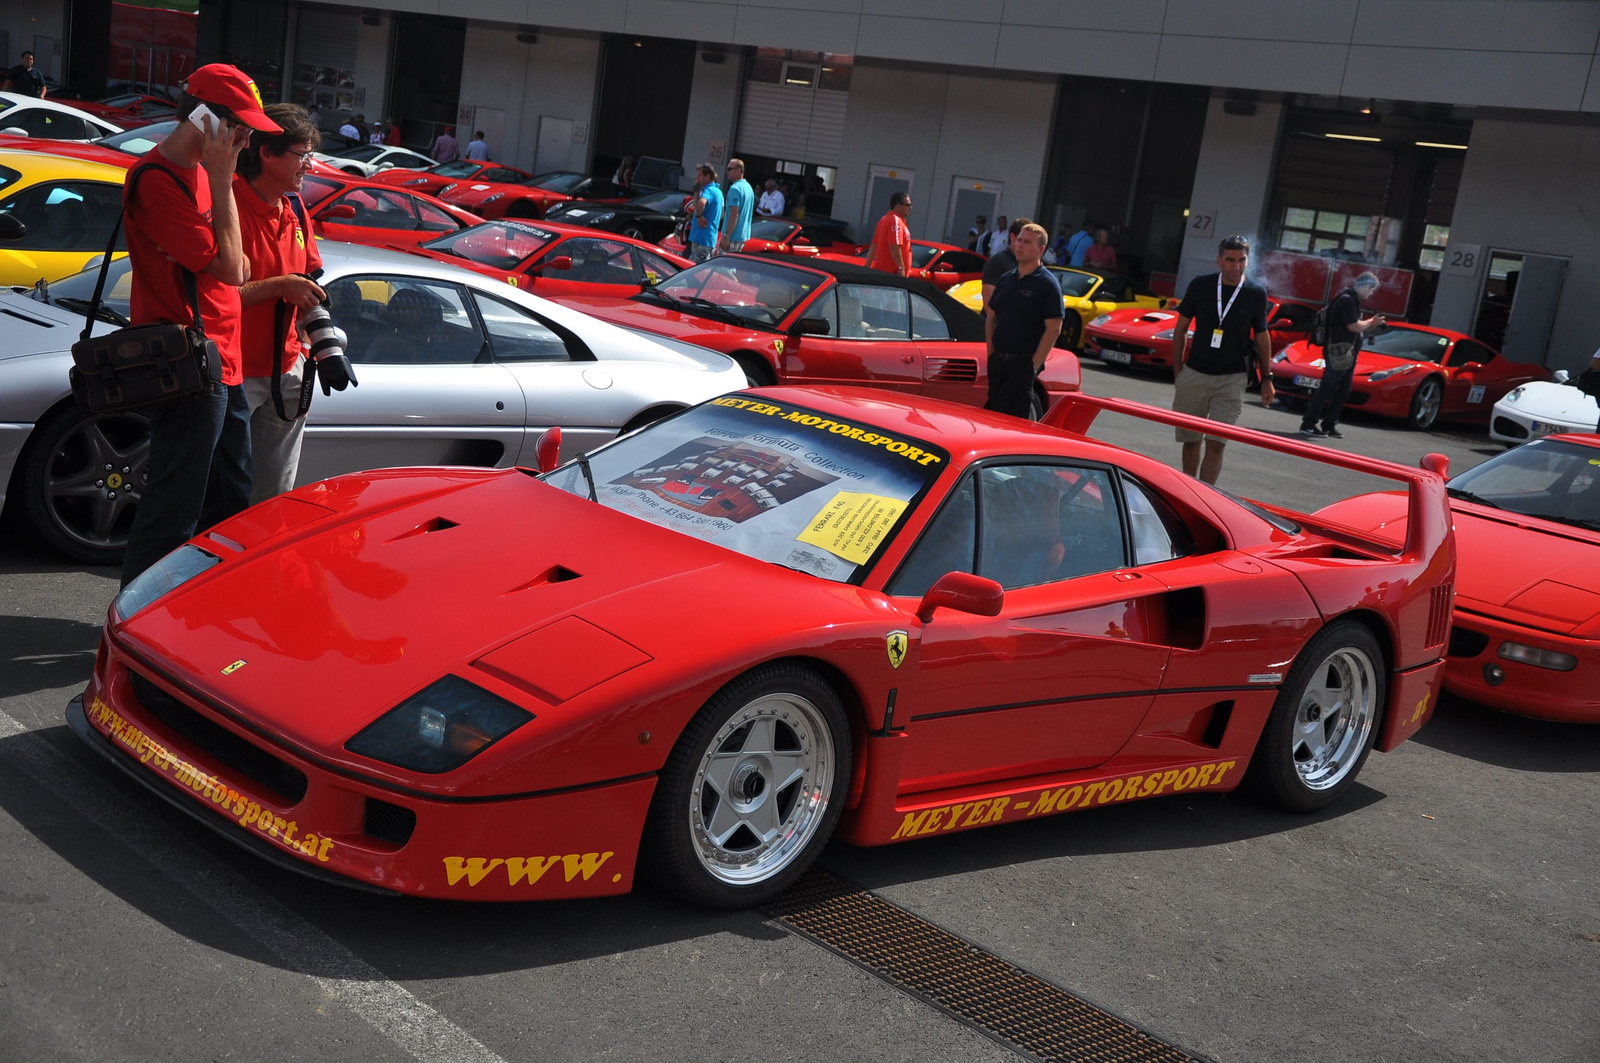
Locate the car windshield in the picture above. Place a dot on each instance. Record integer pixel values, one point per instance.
(141, 140)
(75, 293)
(354, 152)
(921, 255)
(498, 244)
(1074, 285)
(1546, 478)
(769, 480)
(772, 229)
(460, 168)
(669, 202)
(314, 190)
(8, 176)
(408, 161)
(555, 182)
(1409, 343)
(760, 293)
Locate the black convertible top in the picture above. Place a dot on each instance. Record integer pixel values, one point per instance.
(962, 322)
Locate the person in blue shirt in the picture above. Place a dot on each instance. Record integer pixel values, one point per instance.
(705, 213)
(1079, 245)
(739, 207)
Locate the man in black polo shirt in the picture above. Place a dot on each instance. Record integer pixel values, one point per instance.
(1346, 329)
(1021, 322)
(1230, 327)
(25, 80)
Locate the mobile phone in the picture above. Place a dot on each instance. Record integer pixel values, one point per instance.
(199, 115)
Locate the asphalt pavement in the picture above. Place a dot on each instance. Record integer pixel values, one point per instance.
(1444, 910)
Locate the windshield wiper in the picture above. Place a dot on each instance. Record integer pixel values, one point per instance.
(712, 308)
(657, 293)
(104, 313)
(583, 464)
(1468, 496)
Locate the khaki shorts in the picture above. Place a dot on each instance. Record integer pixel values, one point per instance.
(1219, 398)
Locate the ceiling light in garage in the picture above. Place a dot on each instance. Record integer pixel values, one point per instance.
(1436, 144)
(1352, 136)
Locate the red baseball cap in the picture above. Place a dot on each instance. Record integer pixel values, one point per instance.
(228, 86)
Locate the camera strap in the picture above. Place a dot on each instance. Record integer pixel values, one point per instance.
(280, 336)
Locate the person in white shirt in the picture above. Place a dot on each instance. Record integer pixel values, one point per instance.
(771, 203)
(349, 130)
(478, 150)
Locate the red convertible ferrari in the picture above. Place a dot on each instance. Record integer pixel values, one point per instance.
(555, 259)
(703, 649)
(817, 321)
(1526, 635)
(450, 173)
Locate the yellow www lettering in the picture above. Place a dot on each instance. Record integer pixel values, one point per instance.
(588, 863)
(532, 869)
(472, 870)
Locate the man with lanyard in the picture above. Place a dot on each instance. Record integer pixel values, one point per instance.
(890, 249)
(183, 235)
(1021, 322)
(741, 199)
(281, 251)
(1212, 373)
(705, 213)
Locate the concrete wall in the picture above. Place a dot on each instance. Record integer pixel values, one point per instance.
(23, 20)
(557, 76)
(1232, 181)
(372, 66)
(1532, 188)
(1539, 54)
(941, 126)
(713, 111)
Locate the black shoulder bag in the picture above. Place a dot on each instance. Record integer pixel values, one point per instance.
(144, 365)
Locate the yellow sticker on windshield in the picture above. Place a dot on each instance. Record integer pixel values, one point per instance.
(852, 524)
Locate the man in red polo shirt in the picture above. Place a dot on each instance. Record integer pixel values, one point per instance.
(183, 235)
(280, 250)
(890, 249)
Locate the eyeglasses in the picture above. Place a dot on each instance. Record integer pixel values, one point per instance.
(303, 156)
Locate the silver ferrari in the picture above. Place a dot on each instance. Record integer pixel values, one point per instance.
(454, 369)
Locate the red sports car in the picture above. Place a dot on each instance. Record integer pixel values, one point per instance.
(1143, 337)
(942, 265)
(361, 211)
(815, 321)
(130, 110)
(450, 173)
(1416, 372)
(532, 197)
(703, 649)
(1526, 634)
(555, 259)
(806, 237)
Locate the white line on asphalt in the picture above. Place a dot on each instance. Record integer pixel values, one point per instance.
(389, 1007)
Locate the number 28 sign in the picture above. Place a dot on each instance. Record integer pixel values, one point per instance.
(1462, 259)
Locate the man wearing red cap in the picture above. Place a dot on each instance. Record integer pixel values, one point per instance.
(183, 236)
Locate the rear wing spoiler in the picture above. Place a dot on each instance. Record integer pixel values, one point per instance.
(1428, 515)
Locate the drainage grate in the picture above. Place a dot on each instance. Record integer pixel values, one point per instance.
(1018, 1009)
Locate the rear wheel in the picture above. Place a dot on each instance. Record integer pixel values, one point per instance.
(633, 232)
(82, 476)
(1071, 331)
(1425, 404)
(751, 791)
(756, 370)
(1323, 723)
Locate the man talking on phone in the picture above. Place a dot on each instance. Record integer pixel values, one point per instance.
(184, 248)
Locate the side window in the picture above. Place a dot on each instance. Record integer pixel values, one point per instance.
(595, 262)
(656, 268)
(65, 216)
(1467, 351)
(869, 312)
(1043, 523)
(433, 219)
(377, 209)
(499, 174)
(946, 545)
(826, 307)
(516, 335)
(1158, 533)
(52, 125)
(926, 321)
(406, 321)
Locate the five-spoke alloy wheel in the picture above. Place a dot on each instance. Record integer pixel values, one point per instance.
(82, 478)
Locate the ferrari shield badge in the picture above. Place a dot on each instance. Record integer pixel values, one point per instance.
(778, 344)
(895, 642)
(232, 668)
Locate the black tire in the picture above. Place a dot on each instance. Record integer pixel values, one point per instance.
(1425, 404)
(1286, 770)
(77, 505)
(756, 370)
(633, 232)
(1036, 405)
(810, 746)
(1071, 337)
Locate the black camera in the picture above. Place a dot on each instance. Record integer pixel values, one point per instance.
(328, 346)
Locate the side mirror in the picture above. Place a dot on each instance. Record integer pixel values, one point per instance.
(811, 326)
(1438, 464)
(560, 262)
(1471, 367)
(339, 211)
(11, 227)
(963, 592)
(800, 241)
(547, 452)
(1561, 376)
(943, 267)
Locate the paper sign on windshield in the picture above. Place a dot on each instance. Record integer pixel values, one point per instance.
(853, 524)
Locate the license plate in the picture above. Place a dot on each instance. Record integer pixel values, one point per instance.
(1539, 428)
(1120, 357)
(1308, 381)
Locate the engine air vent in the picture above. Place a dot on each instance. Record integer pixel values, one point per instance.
(434, 525)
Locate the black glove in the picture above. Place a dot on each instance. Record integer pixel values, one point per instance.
(335, 372)
(1588, 382)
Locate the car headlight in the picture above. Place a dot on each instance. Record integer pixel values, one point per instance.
(168, 574)
(1385, 374)
(1101, 320)
(604, 216)
(448, 188)
(1281, 356)
(1558, 662)
(493, 197)
(1164, 334)
(1514, 394)
(439, 728)
(420, 181)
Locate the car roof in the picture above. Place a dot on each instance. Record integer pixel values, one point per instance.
(64, 165)
(52, 105)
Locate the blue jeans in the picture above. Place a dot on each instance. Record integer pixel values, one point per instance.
(199, 474)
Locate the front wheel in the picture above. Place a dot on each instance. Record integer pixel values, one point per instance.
(751, 791)
(633, 232)
(1425, 404)
(1071, 331)
(82, 476)
(1322, 725)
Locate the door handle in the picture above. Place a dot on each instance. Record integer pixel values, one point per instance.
(908, 358)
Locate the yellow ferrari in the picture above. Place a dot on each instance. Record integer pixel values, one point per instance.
(65, 207)
(1084, 295)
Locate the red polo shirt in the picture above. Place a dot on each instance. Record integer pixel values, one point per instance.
(276, 245)
(167, 232)
(892, 229)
